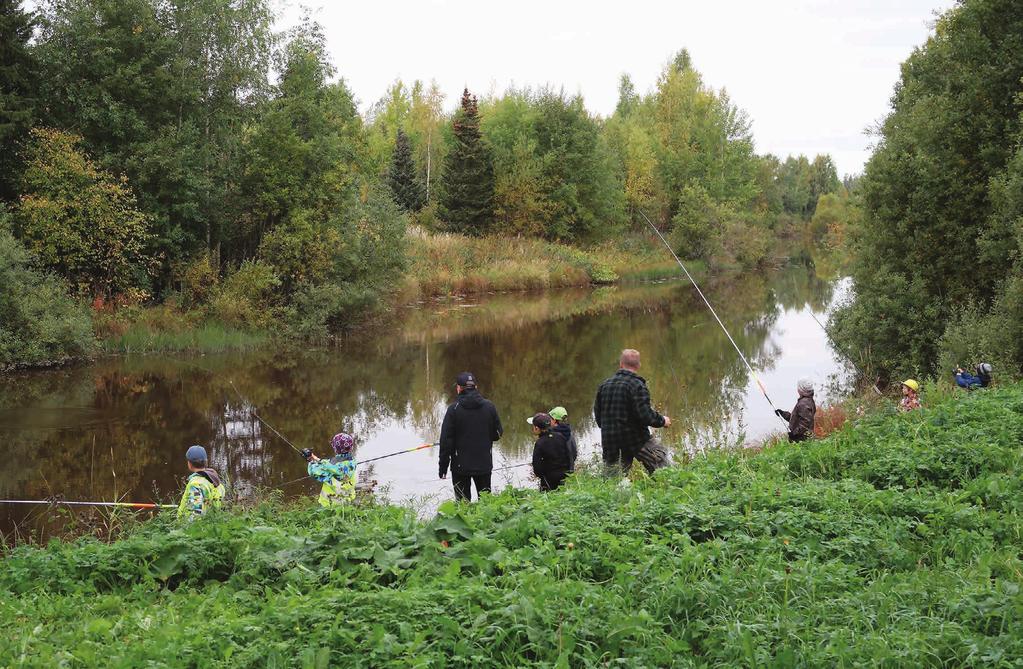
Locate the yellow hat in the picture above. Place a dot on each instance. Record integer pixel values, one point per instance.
(912, 385)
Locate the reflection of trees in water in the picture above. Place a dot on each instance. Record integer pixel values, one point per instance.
(530, 353)
(798, 287)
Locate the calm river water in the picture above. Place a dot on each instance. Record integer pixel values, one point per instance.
(118, 429)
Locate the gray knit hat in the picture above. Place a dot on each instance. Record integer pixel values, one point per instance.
(805, 386)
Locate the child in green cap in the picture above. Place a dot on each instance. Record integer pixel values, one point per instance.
(562, 427)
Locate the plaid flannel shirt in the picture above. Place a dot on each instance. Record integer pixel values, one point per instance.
(623, 411)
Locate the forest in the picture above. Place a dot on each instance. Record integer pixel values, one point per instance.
(189, 166)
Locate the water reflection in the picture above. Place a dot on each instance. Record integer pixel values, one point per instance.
(120, 426)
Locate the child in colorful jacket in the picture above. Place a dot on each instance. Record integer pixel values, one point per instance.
(910, 395)
(204, 489)
(337, 475)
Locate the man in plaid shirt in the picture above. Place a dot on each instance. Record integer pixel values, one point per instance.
(624, 413)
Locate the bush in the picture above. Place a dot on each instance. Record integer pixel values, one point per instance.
(320, 311)
(81, 221)
(744, 241)
(198, 281)
(994, 335)
(695, 224)
(301, 251)
(246, 296)
(39, 323)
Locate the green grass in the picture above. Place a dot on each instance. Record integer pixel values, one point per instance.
(206, 338)
(895, 542)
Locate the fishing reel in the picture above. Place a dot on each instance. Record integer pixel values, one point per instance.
(306, 453)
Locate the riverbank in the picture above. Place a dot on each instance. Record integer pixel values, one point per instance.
(893, 541)
(448, 264)
(441, 265)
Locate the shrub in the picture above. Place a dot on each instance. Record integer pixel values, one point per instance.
(198, 281)
(994, 335)
(81, 221)
(828, 419)
(39, 323)
(694, 225)
(246, 296)
(744, 241)
(320, 311)
(301, 252)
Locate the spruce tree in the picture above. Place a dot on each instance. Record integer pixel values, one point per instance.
(18, 82)
(467, 202)
(402, 177)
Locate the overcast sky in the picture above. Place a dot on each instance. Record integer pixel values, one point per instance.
(812, 74)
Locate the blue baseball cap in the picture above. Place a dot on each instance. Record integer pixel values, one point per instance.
(196, 454)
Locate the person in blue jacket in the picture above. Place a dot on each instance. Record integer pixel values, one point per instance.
(982, 379)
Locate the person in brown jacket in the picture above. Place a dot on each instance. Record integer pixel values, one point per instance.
(801, 417)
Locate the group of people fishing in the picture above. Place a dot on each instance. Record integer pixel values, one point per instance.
(622, 408)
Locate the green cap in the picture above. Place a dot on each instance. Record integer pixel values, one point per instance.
(558, 413)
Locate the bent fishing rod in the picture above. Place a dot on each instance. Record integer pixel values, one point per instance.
(711, 308)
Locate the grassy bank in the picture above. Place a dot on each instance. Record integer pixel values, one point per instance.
(440, 264)
(167, 328)
(444, 264)
(894, 542)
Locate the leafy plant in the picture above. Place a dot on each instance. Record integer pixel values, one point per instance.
(894, 541)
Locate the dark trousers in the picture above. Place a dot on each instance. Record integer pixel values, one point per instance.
(462, 487)
(617, 458)
(552, 481)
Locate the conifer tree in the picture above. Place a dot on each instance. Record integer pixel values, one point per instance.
(467, 203)
(18, 80)
(402, 177)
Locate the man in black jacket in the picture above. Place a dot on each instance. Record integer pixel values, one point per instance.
(623, 412)
(551, 460)
(467, 435)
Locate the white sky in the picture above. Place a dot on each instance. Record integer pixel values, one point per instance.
(812, 74)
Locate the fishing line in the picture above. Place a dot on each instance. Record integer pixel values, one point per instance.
(839, 349)
(707, 302)
(253, 411)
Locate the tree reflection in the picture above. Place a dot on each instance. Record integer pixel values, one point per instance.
(121, 426)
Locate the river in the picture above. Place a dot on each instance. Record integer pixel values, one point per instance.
(118, 428)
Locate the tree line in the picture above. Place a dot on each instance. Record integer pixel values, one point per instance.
(937, 254)
(188, 152)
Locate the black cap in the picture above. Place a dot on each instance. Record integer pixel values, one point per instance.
(466, 380)
(540, 420)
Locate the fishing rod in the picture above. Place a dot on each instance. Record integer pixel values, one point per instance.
(133, 505)
(714, 313)
(391, 455)
(362, 462)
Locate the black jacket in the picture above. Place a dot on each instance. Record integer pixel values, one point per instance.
(623, 411)
(471, 426)
(565, 430)
(551, 460)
